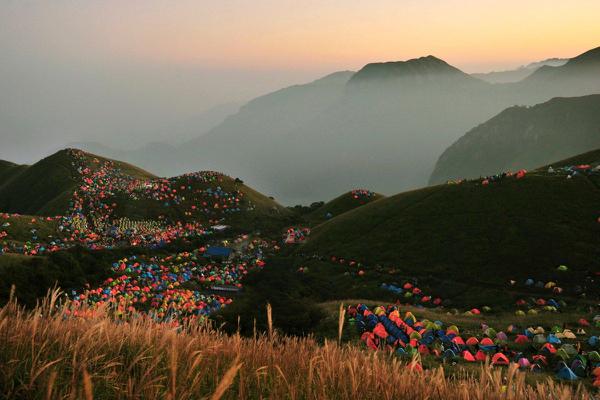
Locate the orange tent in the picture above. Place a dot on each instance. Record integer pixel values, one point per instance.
(549, 348)
(500, 359)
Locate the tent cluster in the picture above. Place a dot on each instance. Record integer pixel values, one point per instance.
(574, 170)
(411, 293)
(500, 177)
(173, 287)
(455, 181)
(296, 235)
(533, 306)
(581, 286)
(210, 201)
(549, 285)
(568, 354)
(28, 235)
(362, 195)
(93, 216)
(490, 179)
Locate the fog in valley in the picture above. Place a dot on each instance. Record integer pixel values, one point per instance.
(300, 133)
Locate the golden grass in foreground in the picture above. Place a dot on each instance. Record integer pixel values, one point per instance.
(43, 355)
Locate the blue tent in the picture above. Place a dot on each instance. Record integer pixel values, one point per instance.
(218, 252)
(553, 303)
(567, 374)
(552, 339)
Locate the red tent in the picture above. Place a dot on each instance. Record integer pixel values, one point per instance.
(500, 359)
(480, 356)
(458, 340)
(467, 356)
(521, 339)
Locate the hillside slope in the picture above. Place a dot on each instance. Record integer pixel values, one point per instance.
(523, 137)
(344, 203)
(579, 76)
(472, 232)
(106, 202)
(46, 187)
(520, 73)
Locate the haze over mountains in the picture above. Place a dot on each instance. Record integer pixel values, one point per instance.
(515, 75)
(382, 127)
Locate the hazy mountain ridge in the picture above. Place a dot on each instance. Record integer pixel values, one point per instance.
(523, 137)
(382, 127)
(417, 71)
(520, 73)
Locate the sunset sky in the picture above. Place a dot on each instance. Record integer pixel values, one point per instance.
(76, 65)
(309, 34)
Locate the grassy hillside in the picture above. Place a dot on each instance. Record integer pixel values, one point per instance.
(590, 158)
(195, 203)
(473, 233)
(523, 137)
(46, 187)
(101, 198)
(43, 188)
(8, 170)
(341, 204)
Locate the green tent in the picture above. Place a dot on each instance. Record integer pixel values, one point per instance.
(569, 349)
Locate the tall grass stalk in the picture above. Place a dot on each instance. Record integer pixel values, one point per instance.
(341, 319)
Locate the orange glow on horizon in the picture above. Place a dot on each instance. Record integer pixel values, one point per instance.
(336, 34)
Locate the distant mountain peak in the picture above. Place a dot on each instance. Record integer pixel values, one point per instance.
(423, 68)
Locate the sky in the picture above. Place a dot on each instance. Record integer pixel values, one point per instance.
(124, 72)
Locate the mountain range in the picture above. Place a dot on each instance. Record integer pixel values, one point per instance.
(383, 127)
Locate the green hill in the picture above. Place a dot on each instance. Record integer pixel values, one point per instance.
(344, 203)
(474, 233)
(46, 187)
(523, 137)
(104, 191)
